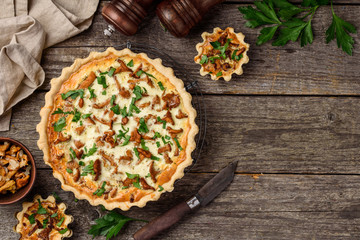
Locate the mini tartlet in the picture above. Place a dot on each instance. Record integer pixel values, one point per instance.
(222, 53)
(43, 219)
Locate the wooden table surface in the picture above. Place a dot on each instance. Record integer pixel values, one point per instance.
(292, 120)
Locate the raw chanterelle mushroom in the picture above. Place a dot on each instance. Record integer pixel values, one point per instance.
(14, 168)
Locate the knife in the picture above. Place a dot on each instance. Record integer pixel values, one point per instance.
(205, 195)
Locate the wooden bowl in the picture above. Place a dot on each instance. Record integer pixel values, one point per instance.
(9, 197)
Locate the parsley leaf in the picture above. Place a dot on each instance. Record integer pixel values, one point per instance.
(116, 109)
(32, 218)
(45, 222)
(178, 144)
(58, 111)
(161, 86)
(73, 94)
(341, 29)
(77, 116)
(160, 188)
(102, 81)
(69, 170)
(113, 97)
(138, 92)
(92, 94)
(88, 169)
(162, 121)
(204, 59)
(60, 124)
(143, 128)
(219, 74)
(90, 152)
(99, 192)
(130, 64)
(111, 72)
(60, 222)
(63, 231)
(110, 225)
(294, 23)
(143, 145)
(41, 210)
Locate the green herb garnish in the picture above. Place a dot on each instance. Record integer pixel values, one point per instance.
(102, 81)
(142, 127)
(136, 153)
(54, 215)
(116, 109)
(111, 72)
(178, 144)
(162, 121)
(130, 64)
(155, 158)
(161, 86)
(41, 210)
(60, 222)
(90, 152)
(84, 116)
(92, 94)
(69, 170)
(110, 225)
(88, 169)
(282, 16)
(160, 188)
(219, 74)
(73, 94)
(60, 124)
(99, 192)
(32, 218)
(204, 59)
(143, 145)
(63, 231)
(113, 97)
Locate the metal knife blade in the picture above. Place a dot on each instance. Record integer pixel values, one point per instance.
(213, 187)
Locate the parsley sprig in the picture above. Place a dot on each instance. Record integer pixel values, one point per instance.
(292, 23)
(110, 224)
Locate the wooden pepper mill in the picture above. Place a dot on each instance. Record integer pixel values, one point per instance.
(179, 16)
(125, 15)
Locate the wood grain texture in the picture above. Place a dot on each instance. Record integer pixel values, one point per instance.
(270, 207)
(317, 69)
(274, 134)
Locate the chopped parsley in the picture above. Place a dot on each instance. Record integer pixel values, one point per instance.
(167, 137)
(88, 169)
(213, 58)
(143, 145)
(134, 176)
(103, 92)
(138, 92)
(84, 116)
(45, 222)
(178, 144)
(73, 94)
(102, 81)
(77, 116)
(219, 74)
(143, 128)
(111, 72)
(127, 140)
(41, 210)
(54, 215)
(155, 158)
(81, 163)
(60, 222)
(162, 121)
(165, 142)
(60, 124)
(90, 152)
(99, 192)
(136, 152)
(138, 73)
(113, 97)
(156, 135)
(73, 153)
(116, 109)
(58, 111)
(32, 218)
(63, 231)
(92, 94)
(69, 170)
(158, 144)
(133, 107)
(161, 86)
(130, 64)
(204, 59)
(160, 188)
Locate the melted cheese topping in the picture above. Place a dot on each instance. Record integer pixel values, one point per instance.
(109, 140)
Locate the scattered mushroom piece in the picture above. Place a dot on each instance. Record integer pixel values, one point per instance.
(168, 118)
(145, 185)
(97, 169)
(101, 105)
(88, 81)
(61, 138)
(171, 100)
(181, 115)
(166, 148)
(122, 67)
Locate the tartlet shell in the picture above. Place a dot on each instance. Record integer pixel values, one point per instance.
(25, 205)
(243, 60)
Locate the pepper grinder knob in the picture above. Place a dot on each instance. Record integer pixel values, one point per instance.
(179, 16)
(125, 15)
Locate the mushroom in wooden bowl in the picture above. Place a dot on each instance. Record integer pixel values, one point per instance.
(17, 171)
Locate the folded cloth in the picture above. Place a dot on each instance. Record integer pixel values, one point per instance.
(26, 28)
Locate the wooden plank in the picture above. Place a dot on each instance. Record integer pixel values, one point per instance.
(271, 207)
(266, 134)
(318, 69)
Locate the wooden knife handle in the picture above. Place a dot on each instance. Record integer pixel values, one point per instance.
(162, 222)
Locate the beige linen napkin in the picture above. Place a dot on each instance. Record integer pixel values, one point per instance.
(26, 28)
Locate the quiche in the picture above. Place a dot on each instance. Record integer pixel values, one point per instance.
(117, 129)
(43, 219)
(222, 53)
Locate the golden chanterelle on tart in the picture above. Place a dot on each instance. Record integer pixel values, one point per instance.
(222, 53)
(43, 219)
(117, 128)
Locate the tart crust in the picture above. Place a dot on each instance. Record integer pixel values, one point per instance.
(178, 172)
(19, 228)
(200, 47)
